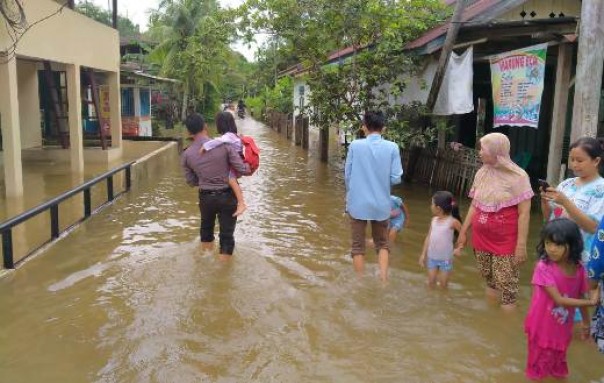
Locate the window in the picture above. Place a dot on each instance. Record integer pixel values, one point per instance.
(127, 102)
(145, 102)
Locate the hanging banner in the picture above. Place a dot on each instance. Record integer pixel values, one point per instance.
(517, 78)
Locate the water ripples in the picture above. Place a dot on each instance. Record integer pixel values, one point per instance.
(130, 296)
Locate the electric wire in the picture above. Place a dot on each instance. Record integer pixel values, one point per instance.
(17, 26)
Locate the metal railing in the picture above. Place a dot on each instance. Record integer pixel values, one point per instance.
(6, 228)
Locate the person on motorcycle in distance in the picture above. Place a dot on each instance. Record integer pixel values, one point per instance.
(241, 109)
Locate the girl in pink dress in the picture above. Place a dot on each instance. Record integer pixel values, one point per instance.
(559, 285)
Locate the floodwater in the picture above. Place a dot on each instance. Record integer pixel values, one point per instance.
(44, 180)
(129, 297)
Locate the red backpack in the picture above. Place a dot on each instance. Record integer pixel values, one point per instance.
(251, 153)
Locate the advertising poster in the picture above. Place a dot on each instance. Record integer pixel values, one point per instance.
(517, 78)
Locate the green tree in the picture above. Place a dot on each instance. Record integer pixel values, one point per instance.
(236, 77)
(193, 46)
(274, 56)
(374, 72)
(125, 26)
(267, 89)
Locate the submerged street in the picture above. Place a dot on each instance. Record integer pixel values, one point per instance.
(129, 297)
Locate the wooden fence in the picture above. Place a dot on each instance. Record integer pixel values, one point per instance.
(284, 124)
(280, 122)
(444, 169)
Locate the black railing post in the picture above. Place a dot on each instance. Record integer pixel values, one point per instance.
(87, 203)
(53, 205)
(110, 188)
(7, 249)
(128, 178)
(54, 221)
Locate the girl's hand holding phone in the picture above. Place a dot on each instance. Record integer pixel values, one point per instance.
(555, 196)
(543, 185)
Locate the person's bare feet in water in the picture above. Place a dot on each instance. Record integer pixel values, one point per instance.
(241, 207)
(207, 246)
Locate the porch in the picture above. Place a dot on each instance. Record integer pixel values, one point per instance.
(43, 82)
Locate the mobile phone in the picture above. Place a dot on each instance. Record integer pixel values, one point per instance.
(543, 184)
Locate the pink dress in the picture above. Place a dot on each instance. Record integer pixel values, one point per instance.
(549, 327)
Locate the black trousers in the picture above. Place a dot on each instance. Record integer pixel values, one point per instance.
(221, 204)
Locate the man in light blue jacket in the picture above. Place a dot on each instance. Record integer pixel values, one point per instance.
(373, 165)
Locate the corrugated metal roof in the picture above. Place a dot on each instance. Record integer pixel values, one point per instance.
(479, 10)
(333, 56)
(149, 76)
(341, 53)
(476, 11)
(470, 11)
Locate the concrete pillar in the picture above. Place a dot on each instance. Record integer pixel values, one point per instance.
(563, 72)
(29, 105)
(11, 137)
(76, 132)
(115, 104)
(588, 82)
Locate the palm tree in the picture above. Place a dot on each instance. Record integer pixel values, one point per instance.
(192, 45)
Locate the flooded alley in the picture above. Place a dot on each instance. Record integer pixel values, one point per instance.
(129, 297)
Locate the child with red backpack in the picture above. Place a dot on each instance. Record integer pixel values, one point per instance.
(246, 147)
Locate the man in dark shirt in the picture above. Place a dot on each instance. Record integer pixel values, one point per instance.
(209, 172)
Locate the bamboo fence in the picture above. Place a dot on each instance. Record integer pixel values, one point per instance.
(446, 169)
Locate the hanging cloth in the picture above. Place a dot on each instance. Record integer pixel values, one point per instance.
(456, 95)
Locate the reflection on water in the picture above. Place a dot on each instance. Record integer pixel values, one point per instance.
(128, 297)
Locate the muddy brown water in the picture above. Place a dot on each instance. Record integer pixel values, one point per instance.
(128, 296)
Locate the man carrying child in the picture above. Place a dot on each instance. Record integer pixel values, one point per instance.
(208, 172)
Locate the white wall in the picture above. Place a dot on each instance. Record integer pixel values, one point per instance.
(418, 86)
(66, 37)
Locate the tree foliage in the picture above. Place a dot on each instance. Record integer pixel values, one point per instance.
(236, 77)
(278, 98)
(371, 74)
(125, 26)
(273, 56)
(193, 46)
(266, 89)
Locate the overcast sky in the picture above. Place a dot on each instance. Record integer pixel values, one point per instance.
(138, 12)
